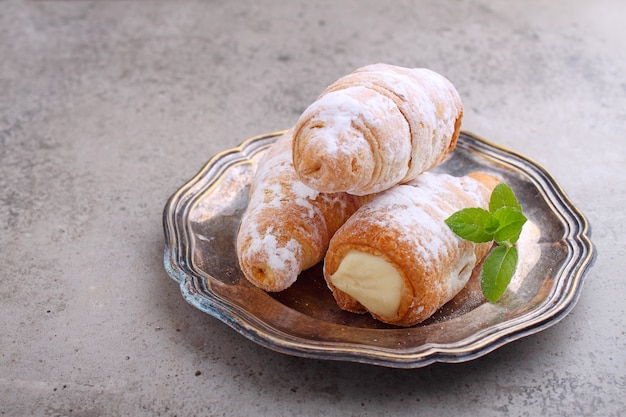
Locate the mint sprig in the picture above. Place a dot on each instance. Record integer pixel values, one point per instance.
(502, 224)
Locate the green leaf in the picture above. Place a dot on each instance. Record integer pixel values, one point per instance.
(503, 196)
(474, 224)
(497, 271)
(510, 220)
(502, 223)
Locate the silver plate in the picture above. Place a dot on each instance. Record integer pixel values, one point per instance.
(201, 221)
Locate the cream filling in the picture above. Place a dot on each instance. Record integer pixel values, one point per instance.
(372, 281)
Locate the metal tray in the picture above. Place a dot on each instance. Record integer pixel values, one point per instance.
(201, 221)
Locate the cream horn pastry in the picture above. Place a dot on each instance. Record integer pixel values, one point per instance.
(287, 225)
(397, 259)
(378, 126)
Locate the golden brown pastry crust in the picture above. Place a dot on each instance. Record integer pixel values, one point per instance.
(287, 225)
(378, 126)
(405, 226)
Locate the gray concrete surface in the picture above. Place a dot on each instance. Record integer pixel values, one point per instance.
(107, 107)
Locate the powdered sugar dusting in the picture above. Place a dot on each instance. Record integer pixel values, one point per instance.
(283, 258)
(284, 228)
(408, 115)
(406, 225)
(421, 207)
(336, 112)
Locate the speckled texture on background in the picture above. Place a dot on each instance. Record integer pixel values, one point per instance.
(107, 107)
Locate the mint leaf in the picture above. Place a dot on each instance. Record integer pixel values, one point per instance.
(510, 220)
(503, 196)
(502, 223)
(498, 269)
(474, 224)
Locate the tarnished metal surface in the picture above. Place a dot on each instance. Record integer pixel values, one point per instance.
(201, 221)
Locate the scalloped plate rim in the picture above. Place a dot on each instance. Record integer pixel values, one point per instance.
(544, 315)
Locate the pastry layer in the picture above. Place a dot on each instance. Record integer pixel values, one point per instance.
(287, 225)
(376, 127)
(405, 228)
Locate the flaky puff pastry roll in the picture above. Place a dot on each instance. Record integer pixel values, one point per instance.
(287, 226)
(397, 259)
(376, 127)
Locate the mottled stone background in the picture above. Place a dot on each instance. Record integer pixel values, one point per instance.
(107, 107)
